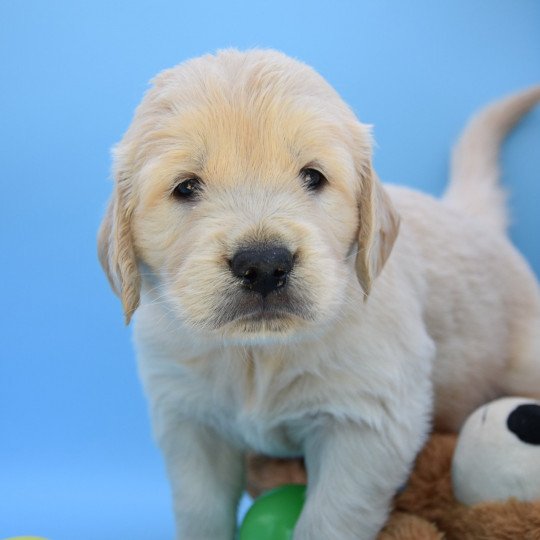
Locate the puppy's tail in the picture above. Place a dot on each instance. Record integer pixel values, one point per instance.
(474, 175)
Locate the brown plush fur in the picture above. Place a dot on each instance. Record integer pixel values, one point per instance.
(426, 509)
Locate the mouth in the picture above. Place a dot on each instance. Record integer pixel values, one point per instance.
(264, 314)
(263, 323)
(274, 312)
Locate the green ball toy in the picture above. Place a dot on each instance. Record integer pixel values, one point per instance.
(274, 514)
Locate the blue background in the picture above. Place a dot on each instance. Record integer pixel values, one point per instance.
(76, 457)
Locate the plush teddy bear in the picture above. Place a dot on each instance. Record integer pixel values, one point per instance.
(497, 457)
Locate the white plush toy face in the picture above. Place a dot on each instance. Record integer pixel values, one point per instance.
(498, 453)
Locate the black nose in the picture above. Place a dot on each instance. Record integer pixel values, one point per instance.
(262, 269)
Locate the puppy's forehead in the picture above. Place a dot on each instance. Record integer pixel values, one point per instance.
(256, 78)
(249, 111)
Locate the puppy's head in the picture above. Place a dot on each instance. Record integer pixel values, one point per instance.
(244, 188)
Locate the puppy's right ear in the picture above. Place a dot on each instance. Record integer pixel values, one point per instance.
(116, 251)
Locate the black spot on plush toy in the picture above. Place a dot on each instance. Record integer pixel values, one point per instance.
(524, 421)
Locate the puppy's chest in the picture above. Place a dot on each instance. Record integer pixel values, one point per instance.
(258, 409)
(278, 437)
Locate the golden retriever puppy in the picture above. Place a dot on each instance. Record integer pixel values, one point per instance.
(289, 304)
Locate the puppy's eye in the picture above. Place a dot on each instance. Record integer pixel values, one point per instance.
(187, 189)
(314, 180)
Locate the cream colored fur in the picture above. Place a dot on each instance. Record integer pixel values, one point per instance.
(395, 297)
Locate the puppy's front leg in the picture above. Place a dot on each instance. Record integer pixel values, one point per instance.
(353, 473)
(206, 474)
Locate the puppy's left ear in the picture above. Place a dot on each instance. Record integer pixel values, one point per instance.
(378, 229)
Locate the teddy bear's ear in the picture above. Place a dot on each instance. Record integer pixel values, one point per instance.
(265, 473)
